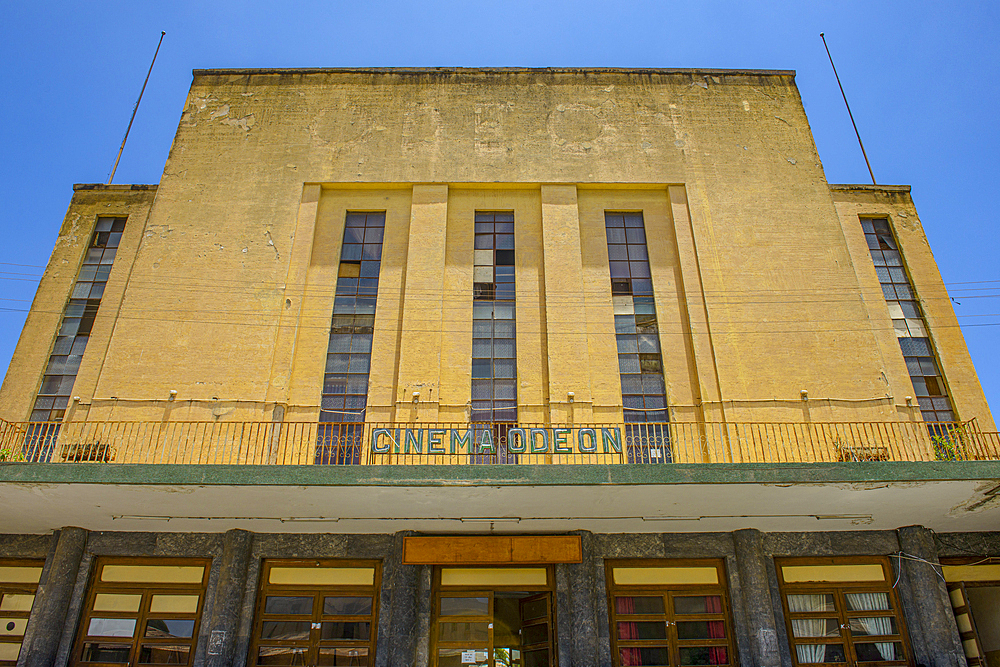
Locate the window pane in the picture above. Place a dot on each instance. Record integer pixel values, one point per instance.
(879, 652)
(815, 627)
(164, 654)
(812, 653)
(465, 606)
(874, 626)
(343, 656)
(169, 628)
(534, 610)
(504, 348)
(504, 329)
(704, 655)
(481, 368)
(867, 601)
(651, 655)
(618, 252)
(628, 363)
(288, 605)
(635, 235)
(639, 605)
(346, 630)
(702, 604)
(452, 657)
(285, 630)
(347, 606)
(625, 324)
(281, 655)
(505, 390)
(815, 602)
(627, 344)
(504, 368)
(642, 630)
(111, 627)
(478, 632)
(701, 629)
(102, 652)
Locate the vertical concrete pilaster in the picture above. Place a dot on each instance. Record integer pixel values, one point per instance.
(758, 608)
(225, 620)
(705, 387)
(420, 343)
(55, 592)
(933, 633)
(569, 365)
(296, 280)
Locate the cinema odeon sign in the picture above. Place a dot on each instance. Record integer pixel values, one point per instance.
(517, 440)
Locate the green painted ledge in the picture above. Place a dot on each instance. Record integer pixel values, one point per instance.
(497, 475)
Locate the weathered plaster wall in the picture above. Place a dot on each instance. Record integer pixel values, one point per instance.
(31, 356)
(895, 203)
(230, 211)
(231, 289)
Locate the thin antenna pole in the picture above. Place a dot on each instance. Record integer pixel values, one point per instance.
(860, 143)
(136, 108)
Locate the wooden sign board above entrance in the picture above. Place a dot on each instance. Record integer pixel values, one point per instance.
(492, 549)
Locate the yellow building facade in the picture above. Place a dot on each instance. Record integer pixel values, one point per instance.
(567, 341)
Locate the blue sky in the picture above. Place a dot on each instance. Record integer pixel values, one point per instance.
(919, 76)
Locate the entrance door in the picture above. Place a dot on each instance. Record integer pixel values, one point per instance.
(506, 624)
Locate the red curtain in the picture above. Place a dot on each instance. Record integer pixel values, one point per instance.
(717, 655)
(630, 656)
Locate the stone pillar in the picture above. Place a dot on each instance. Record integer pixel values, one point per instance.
(228, 605)
(758, 608)
(579, 600)
(55, 592)
(404, 610)
(933, 632)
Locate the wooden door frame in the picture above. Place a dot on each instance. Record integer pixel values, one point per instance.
(437, 588)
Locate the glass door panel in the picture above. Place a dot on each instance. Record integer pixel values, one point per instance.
(493, 629)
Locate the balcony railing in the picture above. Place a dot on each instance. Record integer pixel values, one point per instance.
(301, 443)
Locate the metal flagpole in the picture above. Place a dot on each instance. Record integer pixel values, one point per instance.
(860, 143)
(136, 108)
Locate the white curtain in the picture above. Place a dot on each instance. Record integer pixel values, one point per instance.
(808, 627)
(874, 625)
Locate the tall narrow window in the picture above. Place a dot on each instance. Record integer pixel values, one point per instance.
(348, 359)
(908, 322)
(494, 349)
(78, 319)
(640, 363)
